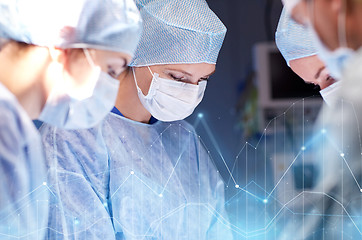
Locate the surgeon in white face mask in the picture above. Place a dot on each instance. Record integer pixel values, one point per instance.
(59, 60)
(297, 45)
(336, 32)
(335, 27)
(167, 92)
(143, 171)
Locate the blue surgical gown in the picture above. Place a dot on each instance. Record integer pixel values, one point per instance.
(128, 180)
(23, 196)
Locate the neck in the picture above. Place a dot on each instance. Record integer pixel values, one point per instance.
(23, 78)
(128, 102)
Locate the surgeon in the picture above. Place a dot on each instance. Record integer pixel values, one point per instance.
(59, 61)
(296, 43)
(144, 169)
(337, 210)
(334, 25)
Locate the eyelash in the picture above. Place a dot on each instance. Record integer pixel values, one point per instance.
(181, 79)
(176, 78)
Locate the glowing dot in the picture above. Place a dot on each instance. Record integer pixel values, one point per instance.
(105, 204)
(237, 186)
(44, 183)
(265, 201)
(360, 190)
(76, 221)
(324, 131)
(200, 115)
(160, 195)
(132, 172)
(303, 148)
(342, 154)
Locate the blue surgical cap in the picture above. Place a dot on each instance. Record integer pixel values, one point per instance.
(177, 32)
(294, 40)
(113, 25)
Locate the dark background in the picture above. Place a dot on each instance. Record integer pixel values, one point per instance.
(248, 22)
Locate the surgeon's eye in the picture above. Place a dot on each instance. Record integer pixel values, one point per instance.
(177, 78)
(113, 73)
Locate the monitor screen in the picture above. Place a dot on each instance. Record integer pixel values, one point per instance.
(285, 84)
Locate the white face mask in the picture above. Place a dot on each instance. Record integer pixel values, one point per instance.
(81, 109)
(336, 60)
(169, 100)
(331, 94)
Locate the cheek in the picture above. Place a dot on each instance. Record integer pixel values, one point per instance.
(79, 73)
(144, 85)
(144, 80)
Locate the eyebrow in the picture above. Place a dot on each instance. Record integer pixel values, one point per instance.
(316, 76)
(189, 74)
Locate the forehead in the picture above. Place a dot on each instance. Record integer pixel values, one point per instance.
(307, 67)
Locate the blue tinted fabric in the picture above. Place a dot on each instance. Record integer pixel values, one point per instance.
(113, 25)
(116, 111)
(23, 197)
(134, 180)
(178, 31)
(294, 40)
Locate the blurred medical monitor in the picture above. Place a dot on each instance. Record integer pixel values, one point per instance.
(280, 88)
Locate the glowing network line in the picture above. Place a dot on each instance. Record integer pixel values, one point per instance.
(265, 200)
(302, 149)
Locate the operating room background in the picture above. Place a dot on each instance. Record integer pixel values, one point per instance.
(218, 120)
(248, 22)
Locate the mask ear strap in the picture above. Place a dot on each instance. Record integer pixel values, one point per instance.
(311, 12)
(150, 70)
(88, 56)
(342, 34)
(134, 76)
(135, 80)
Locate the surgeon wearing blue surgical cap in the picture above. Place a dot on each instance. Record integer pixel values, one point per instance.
(59, 60)
(296, 43)
(143, 173)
